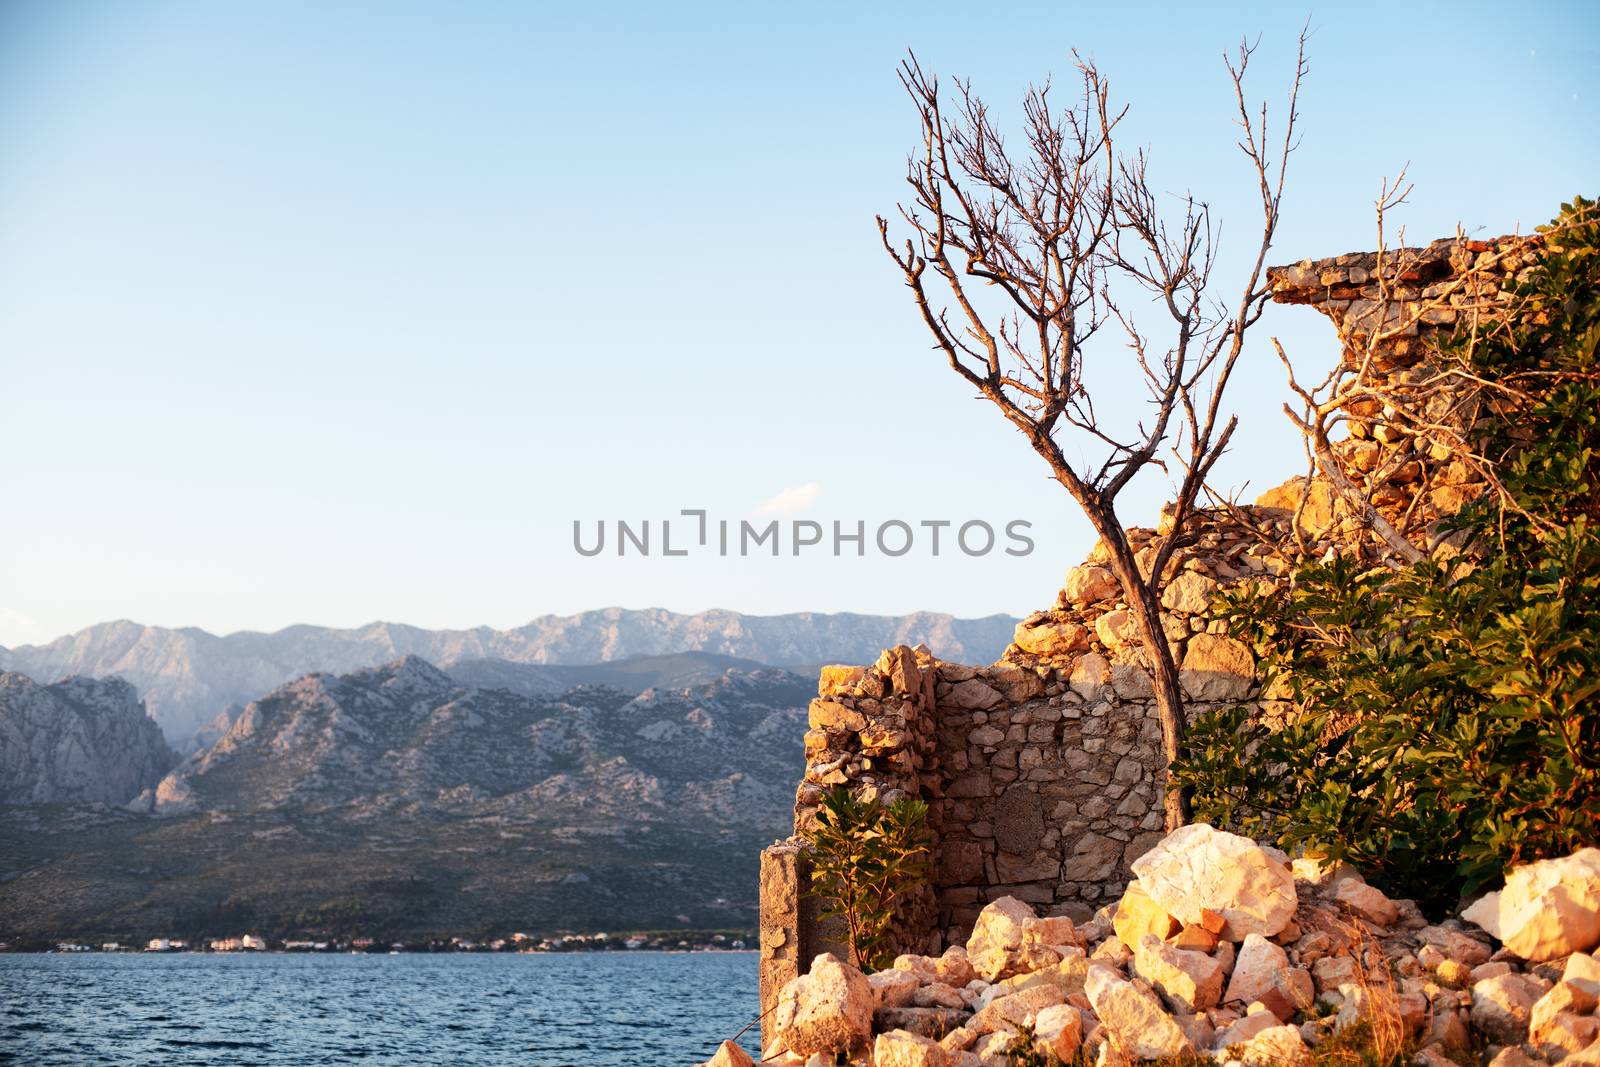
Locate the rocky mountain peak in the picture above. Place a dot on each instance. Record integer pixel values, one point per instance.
(79, 740)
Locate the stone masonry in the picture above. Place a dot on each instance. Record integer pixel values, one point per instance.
(1042, 771)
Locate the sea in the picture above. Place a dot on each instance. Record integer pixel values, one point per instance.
(613, 1009)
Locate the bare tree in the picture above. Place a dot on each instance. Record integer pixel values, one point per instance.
(1037, 253)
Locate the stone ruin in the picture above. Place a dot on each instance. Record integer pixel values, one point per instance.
(1043, 771)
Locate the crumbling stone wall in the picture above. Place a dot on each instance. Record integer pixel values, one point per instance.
(1042, 771)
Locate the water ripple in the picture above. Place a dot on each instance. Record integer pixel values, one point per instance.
(580, 1010)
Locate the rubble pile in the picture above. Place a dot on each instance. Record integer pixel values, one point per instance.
(1227, 950)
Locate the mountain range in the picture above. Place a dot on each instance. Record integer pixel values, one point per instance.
(399, 802)
(188, 676)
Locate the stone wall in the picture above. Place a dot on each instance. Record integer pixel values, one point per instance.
(1042, 771)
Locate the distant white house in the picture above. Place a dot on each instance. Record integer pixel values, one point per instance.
(252, 943)
(158, 944)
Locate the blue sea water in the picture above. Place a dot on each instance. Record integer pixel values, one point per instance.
(634, 1009)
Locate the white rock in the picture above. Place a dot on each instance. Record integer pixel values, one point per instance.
(1188, 981)
(827, 1010)
(1554, 1018)
(1190, 591)
(893, 988)
(1276, 1046)
(1089, 584)
(1255, 972)
(991, 1049)
(1246, 1028)
(1583, 970)
(1503, 1006)
(1117, 629)
(1137, 915)
(1135, 1018)
(901, 1048)
(1548, 908)
(998, 949)
(1455, 945)
(1317, 871)
(1366, 901)
(1059, 1030)
(939, 995)
(730, 1055)
(1066, 976)
(1198, 868)
(1215, 667)
(1016, 1010)
(1046, 638)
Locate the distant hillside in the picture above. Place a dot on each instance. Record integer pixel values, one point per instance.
(396, 801)
(631, 675)
(76, 741)
(188, 676)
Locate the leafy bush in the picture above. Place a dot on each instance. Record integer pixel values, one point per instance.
(1448, 721)
(865, 858)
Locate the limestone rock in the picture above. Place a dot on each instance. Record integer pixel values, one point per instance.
(1216, 668)
(1244, 1029)
(1583, 970)
(1089, 677)
(828, 1009)
(1052, 930)
(991, 1049)
(730, 1055)
(1058, 1029)
(998, 949)
(938, 995)
(1051, 639)
(1256, 971)
(972, 693)
(1545, 1025)
(1316, 871)
(900, 1048)
(953, 968)
(1276, 1046)
(1331, 972)
(1089, 584)
(929, 1022)
(1189, 591)
(1548, 908)
(1455, 945)
(1137, 915)
(1366, 901)
(1017, 1010)
(1502, 1007)
(1187, 981)
(832, 715)
(893, 988)
(837, 679)
(1067, 976)
(1198, 868)
(1117, 629)
(1134, 1017)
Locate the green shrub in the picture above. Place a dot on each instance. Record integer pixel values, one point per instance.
(865, 858)
(1449, 713)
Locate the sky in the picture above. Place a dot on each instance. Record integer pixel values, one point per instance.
(341, 312)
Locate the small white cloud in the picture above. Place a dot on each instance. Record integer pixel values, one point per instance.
(794, 498)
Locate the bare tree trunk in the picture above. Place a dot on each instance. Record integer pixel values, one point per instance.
(1140, 595)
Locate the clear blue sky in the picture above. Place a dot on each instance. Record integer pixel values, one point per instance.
(333, 312)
